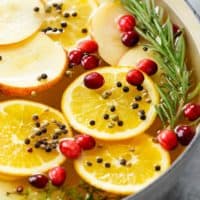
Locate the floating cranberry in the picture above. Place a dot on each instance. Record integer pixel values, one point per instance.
(192, 111)
(39, 181)
(88, 46)
(126, 23)
(184, 134)
(94, 80)
(75, 57)
(90, 62)
(130, 38)
(70, 149)
(176, 28)
(168, 139)
(148, 66)
(86, 142)
(135, 77)
(57, 175)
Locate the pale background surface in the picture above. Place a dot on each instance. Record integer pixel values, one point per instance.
(188, 186)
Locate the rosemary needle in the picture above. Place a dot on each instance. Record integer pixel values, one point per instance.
(170, 56)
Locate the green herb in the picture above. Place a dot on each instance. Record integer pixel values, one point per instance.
(81, 191)
(170, 49)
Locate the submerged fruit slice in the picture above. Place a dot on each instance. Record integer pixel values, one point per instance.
(73, 19)
(23, 125)
(33, 65)
(19, 20)
(115, 111)
(106, 16)
(123, 167)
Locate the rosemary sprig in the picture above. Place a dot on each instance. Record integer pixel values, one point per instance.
(170, 48)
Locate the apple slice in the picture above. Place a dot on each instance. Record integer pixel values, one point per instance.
(22, 65)
(19, 19)
(105, 31)
(135, 55)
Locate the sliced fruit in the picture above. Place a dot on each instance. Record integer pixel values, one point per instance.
(129, 109)
(135, 55)
(33, 65)
(73, 19)
(123, 167)
(111, 48)
(23, 125)
(19, 20)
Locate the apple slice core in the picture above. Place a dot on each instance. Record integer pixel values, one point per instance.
(32, 65)
(19, 19)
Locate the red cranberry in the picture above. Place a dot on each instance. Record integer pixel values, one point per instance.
(75, 57)
(130, 38)
(57, 175)
(148, 66)
(86, 142)
(39, 181)
(90, 62)
(168, 139)
(70, 149)
(184, 134)
(88, 46)
(94, 80)
(175, 28)
(135, 77)
(192, 111)
(126, 23)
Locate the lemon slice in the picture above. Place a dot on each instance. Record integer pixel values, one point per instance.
(111, 112)
(24, 122)
(123, 167)
(76, 16)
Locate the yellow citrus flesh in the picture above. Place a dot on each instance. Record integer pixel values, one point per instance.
(17, 125)
(75, 24)
(134, 164)
(82, 105)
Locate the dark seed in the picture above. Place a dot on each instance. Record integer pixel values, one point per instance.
(126, 89)
(55, 5)
(48, 149)
(145, 48)
(38, 133)
(37, 124)
(135, 105)
(92, 122)
(36, 9)
(89, 164)
(54, 29)
(138, 98)
(74, 14)
(99, 160)
(66, 15)
(27, 141)
(43, 130)
(106, 116)
(60, 30)
(30, 150)
(123, 162)
(112, 108)
(19, 189)
(0, 58)
(37, 145)
(119, 84)
(62, 126)
(142, 117)
(84, 30)
(55, 136)
(157, 168)
(141, 112)
(140, 88)
(63, 24)
(120, 123)
(107, 165)
(35, 117)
